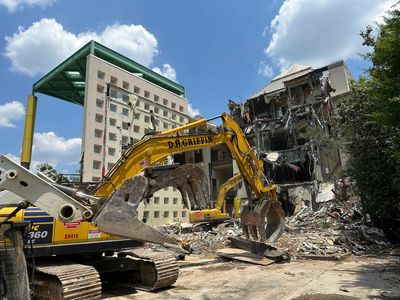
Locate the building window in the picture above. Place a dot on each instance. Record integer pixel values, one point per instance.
(136, 128)
(125, 111)
(113, 80)
(124, 139)
(173, 105)
(111, 151)
(100, 74)
(126, 125)
(95, 178)
(112, 122)
(136, 89)
(173, 116)
(146, 94)
(96, 164)
(198, 156)
(146, 214)
(156, 200)
(165, 113)
(175, 214)
(98, 133)
(113, 94)
(109, 166)
(96, 148)
(147, 119)
(147, 106)
(183, 214)
(156, 98)
(125, 98)
(99, 118)
(180, 108)
(165, 101)
(165, 125)
(100, 88)
(125, 85)
(181, 119)
(166, 214)
(113, 107)
(156, 110)
(156, 214)
(112, 136)
(166, 200)
(137, 115)
(99, 103)
(175, 201)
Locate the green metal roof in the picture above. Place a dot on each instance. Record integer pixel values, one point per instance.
(67, 80)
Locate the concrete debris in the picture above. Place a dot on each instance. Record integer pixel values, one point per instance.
(205, 238)
(325, 192)
(335, 229)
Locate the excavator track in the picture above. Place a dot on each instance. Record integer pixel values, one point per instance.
(158, 269)
(141, 268)
(65, 281)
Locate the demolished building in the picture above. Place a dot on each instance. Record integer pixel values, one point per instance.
(289, 121)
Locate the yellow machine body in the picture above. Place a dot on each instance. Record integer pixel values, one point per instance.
(45, 230)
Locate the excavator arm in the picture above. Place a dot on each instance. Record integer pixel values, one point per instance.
(138, 174)
(262, 218)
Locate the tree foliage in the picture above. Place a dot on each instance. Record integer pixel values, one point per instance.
(48, 170)
(369, 123)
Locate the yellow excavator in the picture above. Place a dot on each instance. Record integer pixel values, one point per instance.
(218, 213)
(109, 213)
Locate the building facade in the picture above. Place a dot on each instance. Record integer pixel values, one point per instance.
(290, 123)
(113, 120)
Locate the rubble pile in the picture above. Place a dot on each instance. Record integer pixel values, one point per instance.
(203, 238)
(335, 229)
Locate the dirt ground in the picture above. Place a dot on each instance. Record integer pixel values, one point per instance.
(215, 278)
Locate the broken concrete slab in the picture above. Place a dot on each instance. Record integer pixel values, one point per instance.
(244, 256)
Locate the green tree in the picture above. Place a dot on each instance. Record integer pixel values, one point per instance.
(369, 123)
(48, 170)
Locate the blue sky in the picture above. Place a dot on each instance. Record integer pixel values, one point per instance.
(218, 50)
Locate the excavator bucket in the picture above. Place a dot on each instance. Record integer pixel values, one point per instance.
(119, 213)
(264, 222)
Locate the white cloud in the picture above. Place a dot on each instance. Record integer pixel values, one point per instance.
(9, 112)
(51, 148)
(265, 70)
(12, 157)
(193, 111)
(316, 33)
(17, 159)
(14, 5)
(49, 43)
(167, 71)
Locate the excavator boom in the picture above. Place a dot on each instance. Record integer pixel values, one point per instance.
(139, 173)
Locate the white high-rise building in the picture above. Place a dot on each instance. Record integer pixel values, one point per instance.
(113, 119)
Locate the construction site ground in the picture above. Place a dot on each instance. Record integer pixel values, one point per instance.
(210, 277)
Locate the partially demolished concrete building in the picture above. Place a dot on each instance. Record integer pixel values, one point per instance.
(290, 121)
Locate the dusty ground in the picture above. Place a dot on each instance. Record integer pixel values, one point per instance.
(213, 278)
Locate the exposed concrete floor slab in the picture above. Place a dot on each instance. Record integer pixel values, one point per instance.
(212, 278)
